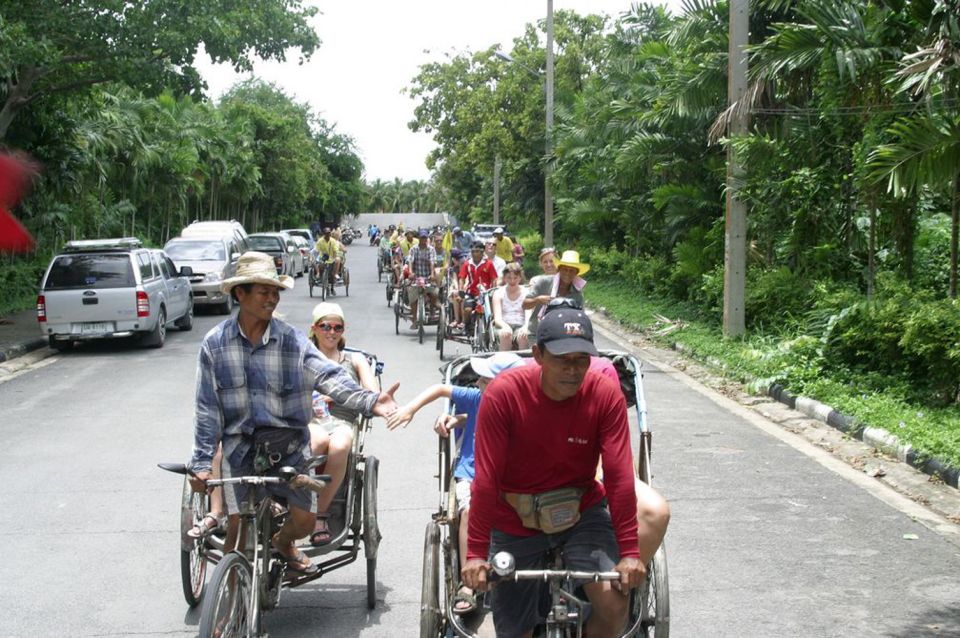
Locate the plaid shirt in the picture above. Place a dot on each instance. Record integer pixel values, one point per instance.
(243, 386)
(421, 260)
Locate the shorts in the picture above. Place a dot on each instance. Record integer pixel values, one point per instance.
(235, 494)
(331, 424)
(463, 494)
(590, 545)
(413, 292)
(513, 331)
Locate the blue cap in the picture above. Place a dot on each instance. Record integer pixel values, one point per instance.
(490, 367)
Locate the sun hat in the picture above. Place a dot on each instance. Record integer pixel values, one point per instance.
(456, 229)
(498, 231)
(490, 367)
(565, 331)
(571, 258)
(256, 268)
(327, 309)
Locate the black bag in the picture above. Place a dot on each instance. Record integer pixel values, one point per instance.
(272, 445)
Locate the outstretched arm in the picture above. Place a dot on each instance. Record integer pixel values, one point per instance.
(405, 414)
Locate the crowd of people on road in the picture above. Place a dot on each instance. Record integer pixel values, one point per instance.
(549, 428)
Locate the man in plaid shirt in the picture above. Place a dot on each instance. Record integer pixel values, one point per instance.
(255, 378)
(421, 259)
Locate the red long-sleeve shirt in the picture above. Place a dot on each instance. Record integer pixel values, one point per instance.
(529, 443)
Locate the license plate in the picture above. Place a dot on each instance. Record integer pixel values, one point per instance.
(96, 327)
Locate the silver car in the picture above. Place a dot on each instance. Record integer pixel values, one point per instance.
(212, 258)
(286, 255)
(110, 288)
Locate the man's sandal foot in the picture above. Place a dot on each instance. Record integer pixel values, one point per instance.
(207, 525)
(465, 601)
(298, 564)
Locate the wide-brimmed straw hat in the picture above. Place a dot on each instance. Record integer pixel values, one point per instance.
(571, 258)
(256, 268)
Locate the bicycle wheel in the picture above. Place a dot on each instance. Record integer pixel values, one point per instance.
(371, 528)
(421, 315)
(651, 602)
(479, 336)
(441, 328)
(430, 612)
(226, 609)
(346, 281)
(324, 283)
(312, 279)
(396, 316)
(193, 561)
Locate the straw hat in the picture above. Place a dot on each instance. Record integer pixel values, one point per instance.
(256, 268)
(571, 258)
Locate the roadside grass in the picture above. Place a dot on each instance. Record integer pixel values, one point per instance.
(793, 360)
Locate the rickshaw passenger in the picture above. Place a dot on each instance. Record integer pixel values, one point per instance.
(244, 363)
(568, 282)
(521, 453)
(509, 318)
(466, 403)
(332, 429)
(476, 275)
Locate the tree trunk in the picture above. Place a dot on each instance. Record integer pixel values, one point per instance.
(954, 232)
(871, 244)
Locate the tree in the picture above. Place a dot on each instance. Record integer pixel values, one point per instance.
(49, 47)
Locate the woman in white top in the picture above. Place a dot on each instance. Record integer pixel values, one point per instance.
(509, 318)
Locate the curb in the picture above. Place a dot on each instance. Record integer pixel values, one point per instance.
(877, 438)
(19, 349)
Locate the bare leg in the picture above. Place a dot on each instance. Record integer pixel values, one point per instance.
(506, 339)
(340, 443)
(609, 610)
(653, 516)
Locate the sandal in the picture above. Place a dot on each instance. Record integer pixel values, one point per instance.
(298, 564)
(209, 524)
(321, 536)
(465, 601)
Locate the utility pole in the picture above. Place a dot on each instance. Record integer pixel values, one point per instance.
(496, 190)
(548, 170)
(735, 234)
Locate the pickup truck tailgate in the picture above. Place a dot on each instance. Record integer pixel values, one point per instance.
(90, 293)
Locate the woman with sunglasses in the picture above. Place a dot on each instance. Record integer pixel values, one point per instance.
(331, 432)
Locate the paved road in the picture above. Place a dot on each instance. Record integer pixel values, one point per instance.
(766, 540)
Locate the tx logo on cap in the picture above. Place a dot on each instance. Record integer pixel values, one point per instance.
(573, 329)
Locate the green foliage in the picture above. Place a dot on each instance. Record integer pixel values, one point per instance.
(20, 279)
(931, 341)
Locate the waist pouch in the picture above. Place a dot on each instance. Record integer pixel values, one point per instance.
(550, 512)
(272, 445)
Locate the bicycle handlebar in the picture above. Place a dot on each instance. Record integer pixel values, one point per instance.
(289, 475)
(504, 568)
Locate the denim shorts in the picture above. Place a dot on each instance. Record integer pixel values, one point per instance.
(590, 545)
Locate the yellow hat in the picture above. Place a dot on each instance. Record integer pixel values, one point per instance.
(571, 258)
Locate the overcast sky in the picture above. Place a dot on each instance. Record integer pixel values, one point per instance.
(372, 49)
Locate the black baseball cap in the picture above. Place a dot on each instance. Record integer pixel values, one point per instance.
(565, 331)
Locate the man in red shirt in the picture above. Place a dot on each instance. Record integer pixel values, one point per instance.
(540, 431)
(476, 275)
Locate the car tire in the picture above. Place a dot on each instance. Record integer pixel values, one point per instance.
(185, 323)
(156, 337)
(227, 306)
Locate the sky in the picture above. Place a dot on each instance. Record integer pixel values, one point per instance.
(372, 49)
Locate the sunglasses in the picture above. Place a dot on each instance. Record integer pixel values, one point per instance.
(327, 327)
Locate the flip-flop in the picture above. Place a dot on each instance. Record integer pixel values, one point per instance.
(292, 563)
(205, 527)
(468, 602)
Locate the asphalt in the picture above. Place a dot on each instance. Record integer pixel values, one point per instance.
(20, 334)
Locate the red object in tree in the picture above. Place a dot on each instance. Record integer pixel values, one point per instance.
(15, 175)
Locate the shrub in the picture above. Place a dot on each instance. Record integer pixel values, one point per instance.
(775, 296)
(931, 341)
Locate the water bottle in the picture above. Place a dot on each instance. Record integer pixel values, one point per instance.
(320, 408)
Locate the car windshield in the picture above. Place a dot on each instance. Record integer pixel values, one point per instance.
(265, 243)
(91, 271)
(195, 251)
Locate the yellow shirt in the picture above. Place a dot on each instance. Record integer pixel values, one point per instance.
(505, 249)
(329, 247)
(405, 245)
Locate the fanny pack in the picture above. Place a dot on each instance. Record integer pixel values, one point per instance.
(272, 445)
(550, 512)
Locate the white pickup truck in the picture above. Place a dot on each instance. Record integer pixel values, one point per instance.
(111, 288)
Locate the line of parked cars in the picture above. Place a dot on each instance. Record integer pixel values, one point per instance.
(112, 288)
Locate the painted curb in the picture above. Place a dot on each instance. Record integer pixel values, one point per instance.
(19, 349)
(877, 438)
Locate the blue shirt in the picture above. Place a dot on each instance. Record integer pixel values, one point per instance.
(243, 386)
(466, 400)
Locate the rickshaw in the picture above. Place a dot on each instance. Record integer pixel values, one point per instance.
(476, 331)
(427, 315)
(649, 604)
(384, 264)
(322, 274)
(352, 523)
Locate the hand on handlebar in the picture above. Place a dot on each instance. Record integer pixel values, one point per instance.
(198, 481)
(474, 574)
(632, 573)
(447, 422)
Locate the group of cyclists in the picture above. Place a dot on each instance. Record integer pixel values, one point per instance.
(551, 429)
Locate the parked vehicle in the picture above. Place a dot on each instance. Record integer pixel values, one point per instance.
(212, 260)
(112, 288)
(303, 232)
(306, 249)
(297, 260)
(483, 232)
(278, 246)
(218, 229)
